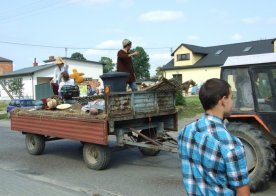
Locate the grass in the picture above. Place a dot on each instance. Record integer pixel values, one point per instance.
(191, 108)
(3, 109)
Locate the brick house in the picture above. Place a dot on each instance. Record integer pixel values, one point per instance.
(6, 65)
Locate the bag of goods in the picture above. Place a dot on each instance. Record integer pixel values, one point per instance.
(51, 103)
(94, 111)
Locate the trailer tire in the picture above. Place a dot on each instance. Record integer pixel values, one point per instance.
(259, 153)
(35, 143)
(151, 133)
(96, 157)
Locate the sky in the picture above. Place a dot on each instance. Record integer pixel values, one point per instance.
(38, 29)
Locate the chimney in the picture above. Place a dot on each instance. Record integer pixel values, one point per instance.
(51, 58)
(274, 42)
(35, 63)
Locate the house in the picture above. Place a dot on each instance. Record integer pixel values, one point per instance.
(202, 63)
(6, 65)
(36, 79)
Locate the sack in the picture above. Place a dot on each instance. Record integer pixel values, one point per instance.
(69, 91)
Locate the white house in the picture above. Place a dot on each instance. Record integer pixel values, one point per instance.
(42, 74)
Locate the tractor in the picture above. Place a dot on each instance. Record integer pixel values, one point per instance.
(253, 119)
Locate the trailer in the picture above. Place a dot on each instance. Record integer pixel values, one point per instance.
(137, 119)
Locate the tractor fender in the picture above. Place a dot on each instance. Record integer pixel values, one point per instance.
(248, 118)
(253, 119)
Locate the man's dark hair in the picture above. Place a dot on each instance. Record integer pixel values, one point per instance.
(212, 91)
(65, 76)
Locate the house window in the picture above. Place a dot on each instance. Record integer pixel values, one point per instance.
(219, 52)
(183, 57)
(178, 77)
(247, 49)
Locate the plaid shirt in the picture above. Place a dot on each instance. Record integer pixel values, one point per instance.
(213, 160)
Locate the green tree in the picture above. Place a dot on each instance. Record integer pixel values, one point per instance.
(15, 86)
(141, 64)
(78, 56)
(159, 71)
(108, 65)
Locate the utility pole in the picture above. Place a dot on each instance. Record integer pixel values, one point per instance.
(66, 51)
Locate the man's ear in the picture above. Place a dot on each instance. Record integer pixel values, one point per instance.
(223, 100)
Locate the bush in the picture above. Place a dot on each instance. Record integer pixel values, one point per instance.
(179, 98)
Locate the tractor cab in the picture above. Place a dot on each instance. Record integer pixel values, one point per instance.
(253, 119)
(253, 82)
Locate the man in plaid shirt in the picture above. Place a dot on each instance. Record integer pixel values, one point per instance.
(213, 160)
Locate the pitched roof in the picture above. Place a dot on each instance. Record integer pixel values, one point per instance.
(211, 58)
(193, 48)
(26, 71)
(67, 58)
(5, 60)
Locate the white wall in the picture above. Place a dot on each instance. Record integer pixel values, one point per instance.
(90, 70)
(27, 88)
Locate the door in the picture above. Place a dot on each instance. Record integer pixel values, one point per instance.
(264, 80)
(43, 91)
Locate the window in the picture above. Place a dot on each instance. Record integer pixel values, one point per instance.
(219, 52)
(183, 57)
(241, 87)
(247, 49)
(178, 77)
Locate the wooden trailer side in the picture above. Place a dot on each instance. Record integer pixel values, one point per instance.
(92, 131)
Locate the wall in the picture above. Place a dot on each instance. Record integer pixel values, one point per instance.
(199, 75)
(27, 89)
(183, 50)
(5, 67)
(90, 70)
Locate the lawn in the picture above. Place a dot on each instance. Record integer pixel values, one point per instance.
(191, 108)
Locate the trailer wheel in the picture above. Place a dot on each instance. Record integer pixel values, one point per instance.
(151, 133)
(35, 144)
(258, 151)
(96, 157)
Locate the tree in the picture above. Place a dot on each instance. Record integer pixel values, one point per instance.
(159, 71)
(15, 86)
(141, 64)
(108, 65)
(78, 56)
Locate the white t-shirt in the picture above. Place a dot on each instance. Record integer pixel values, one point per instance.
(57, 73)
(70, 82)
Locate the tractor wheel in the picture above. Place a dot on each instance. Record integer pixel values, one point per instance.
(258, 151)
(151, 133)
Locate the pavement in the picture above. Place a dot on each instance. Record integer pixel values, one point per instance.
(61, 170)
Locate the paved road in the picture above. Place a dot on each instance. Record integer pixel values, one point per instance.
(61, 171)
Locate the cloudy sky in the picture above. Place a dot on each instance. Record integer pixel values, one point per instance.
(97, 27)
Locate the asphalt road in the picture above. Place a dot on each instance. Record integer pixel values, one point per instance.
(61, 171)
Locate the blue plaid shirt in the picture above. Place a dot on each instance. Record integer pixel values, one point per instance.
(213, 160)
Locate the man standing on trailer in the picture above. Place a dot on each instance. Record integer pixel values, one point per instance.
(213, 160)
(124, 63)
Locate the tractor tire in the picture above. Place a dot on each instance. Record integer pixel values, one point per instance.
(35, 144)
(96, 157)
(258, 151)
(151, 133)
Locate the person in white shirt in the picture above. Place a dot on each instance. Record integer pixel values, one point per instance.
(61, 67)
(65, 80)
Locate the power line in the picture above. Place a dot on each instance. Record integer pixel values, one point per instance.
(74, 48)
